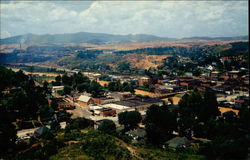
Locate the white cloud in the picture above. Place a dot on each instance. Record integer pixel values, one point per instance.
(162, 18)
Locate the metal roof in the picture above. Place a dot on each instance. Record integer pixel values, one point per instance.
(84, 98)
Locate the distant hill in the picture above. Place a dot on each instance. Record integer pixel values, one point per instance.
(98, 38)
(218, 38)
(81, 37)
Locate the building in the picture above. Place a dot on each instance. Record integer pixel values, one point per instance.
(143, 80)
(117, 107)
(56, 90)
(140, 104)
(178, 143)
(104, 100)
(84, 100)
(107, 112)
(120, 95)
(234, 74)
(137, 133)
(168, 88)
(40, 131)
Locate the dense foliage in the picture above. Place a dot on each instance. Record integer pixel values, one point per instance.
(121, 87)
(159, 123)
(129, 119)
(20, 99)
(79, 82)
(107, 126)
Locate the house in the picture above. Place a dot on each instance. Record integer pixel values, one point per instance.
(137, 133)
(57, 90)
(241, 101)
(188, 73)
(178, 143)
(210, 67)
(84, 100)
(40, 131)
(143, 80)
(63, 105)
(189, 82)
(161, 89)
(234, 74)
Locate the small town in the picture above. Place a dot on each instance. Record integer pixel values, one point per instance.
(103, 82)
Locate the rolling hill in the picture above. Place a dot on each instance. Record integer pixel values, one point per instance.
(99, 38)
(81, 37)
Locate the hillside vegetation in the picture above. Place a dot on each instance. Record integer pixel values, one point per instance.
(94, 145)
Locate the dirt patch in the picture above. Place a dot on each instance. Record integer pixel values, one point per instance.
(144, 61)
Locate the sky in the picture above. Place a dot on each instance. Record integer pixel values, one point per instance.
(175, 19)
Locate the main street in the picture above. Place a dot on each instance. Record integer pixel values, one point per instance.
(78, 111)
(232, 97)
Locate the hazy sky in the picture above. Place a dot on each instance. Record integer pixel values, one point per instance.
(162, 18)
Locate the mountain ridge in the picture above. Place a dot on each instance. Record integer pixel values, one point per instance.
(99, 38)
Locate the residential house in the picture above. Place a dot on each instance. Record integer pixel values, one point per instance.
(40, 131)
(178, 143)
(143, 80)
(56, 90)
(137, 133)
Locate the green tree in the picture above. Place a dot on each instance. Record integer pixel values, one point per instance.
(107, 126)
(79, 123)
(58, 78)
(67, 90)
(66, 80)
(7, 132)
(209, 108)
(102, 146)
(244, 115)
(95, 89)
(129, 119)
(159, 123)
(82, 87)
(189, 107)
(124, 66)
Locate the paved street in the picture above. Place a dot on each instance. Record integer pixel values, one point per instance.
(96, 118)
(78, 111)
(24, 132)
(232, 97)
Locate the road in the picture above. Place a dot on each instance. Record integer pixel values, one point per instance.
(114, 119)
(23, 133)
(78, 111)
(232, 97)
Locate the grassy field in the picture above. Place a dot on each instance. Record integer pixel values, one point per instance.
(45, 78)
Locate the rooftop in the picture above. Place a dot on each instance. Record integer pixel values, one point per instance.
(115, 106)
(84, 98)
(138, 102)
